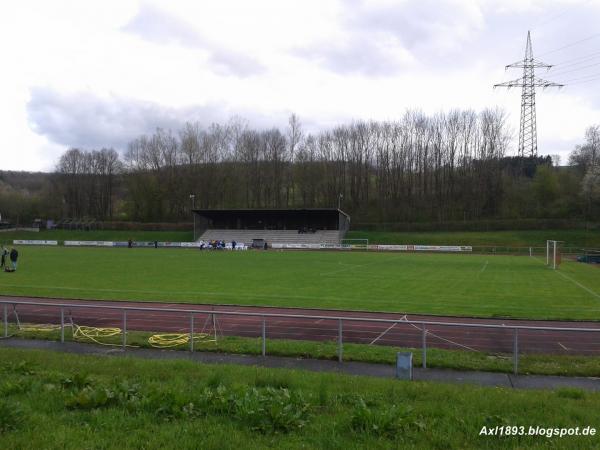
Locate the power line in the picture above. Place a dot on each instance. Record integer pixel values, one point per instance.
(586, 81)
(568, 62)
(553, 18)
(575, 70)
(582, 78)
(571, 44)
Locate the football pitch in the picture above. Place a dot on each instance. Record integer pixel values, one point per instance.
(444, 284)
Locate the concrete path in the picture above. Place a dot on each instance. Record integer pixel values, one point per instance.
(316, 365)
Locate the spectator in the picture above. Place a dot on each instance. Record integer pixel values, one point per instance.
(3, 255)
(14, 255)
(129, 243)
(233, 243)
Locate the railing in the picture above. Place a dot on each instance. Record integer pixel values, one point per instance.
(425, 327)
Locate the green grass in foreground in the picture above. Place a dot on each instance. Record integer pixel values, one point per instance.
(586, 366)
(51, 400)
(517, 238)
(445, 284)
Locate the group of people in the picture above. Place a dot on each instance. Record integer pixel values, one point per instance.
(216, 245)
(13, 255)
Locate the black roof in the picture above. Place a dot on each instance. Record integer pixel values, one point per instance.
(269, 210)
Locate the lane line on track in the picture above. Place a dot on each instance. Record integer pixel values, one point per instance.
(563, 346)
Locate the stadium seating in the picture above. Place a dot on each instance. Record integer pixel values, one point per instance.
(273, 236)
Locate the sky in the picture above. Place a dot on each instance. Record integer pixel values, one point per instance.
(93, 74)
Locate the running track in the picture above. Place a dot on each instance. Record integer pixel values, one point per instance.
(363, 332)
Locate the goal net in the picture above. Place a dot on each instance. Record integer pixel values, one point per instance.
(553, 254)
(358, 244)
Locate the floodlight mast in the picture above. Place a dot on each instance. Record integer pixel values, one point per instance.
(528, 83)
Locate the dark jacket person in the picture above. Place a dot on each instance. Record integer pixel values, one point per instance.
(14, 255)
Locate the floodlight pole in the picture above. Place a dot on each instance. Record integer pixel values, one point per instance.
(193, 198)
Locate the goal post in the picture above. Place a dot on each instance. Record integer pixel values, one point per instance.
(357, 244)
(553, 254)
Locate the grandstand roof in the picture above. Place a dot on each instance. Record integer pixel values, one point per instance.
(269, 210)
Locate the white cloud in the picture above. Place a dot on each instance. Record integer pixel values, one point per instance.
(94, 73)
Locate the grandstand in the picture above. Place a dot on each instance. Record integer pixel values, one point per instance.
(275, 226)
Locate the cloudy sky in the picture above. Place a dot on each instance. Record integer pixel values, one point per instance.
(94, 74)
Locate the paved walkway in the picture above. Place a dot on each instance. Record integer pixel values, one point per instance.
(316, 365)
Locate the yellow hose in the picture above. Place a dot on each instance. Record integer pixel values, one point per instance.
(169, 340)
(83, 332)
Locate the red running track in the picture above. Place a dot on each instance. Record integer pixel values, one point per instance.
(402, 334)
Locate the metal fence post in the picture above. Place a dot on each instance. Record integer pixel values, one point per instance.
(516, 351)
(124, 329)
(191, 332)
(424, 343)
(264, 337)
(5, 320)
(340, 342)
(62, 325)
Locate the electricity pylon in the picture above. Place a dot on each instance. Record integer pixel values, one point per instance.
(528, 129)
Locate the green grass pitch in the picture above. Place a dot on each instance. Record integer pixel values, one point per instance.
(445, 284)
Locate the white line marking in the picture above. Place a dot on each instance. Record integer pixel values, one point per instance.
(356, 266)
(484, 267)
(563, 346)
(578, 284)
(382, 334)
(319, 321)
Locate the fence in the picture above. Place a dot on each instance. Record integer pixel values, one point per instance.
(418, 334)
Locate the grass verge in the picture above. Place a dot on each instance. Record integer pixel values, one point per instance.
(49, 401)
(537, 364)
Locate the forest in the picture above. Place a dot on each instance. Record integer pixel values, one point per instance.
(454, 166)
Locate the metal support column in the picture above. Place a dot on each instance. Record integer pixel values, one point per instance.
(5, 314)
(192, 332)
(424, 344)
(124, 329)
(340, 342)
(516, 351)
(264, 337)
(62, 325)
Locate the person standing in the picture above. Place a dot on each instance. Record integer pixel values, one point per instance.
(14, 255)
(3, 255)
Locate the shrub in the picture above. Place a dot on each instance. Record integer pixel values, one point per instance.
(387, 423)
(272, 410)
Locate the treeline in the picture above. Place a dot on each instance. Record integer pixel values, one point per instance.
(422, 168)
